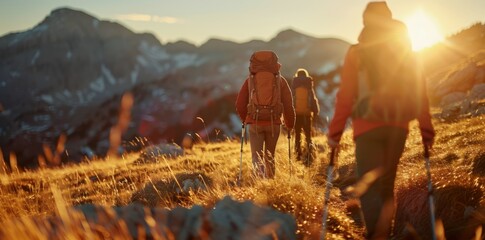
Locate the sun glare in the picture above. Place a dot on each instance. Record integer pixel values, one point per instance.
(422, 30)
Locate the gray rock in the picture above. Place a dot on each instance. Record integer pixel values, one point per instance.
(477, 92)
(453, 98)
(153, 153)
(234, 220)
(229, 219)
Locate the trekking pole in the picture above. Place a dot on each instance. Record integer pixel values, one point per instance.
(243, 130)
(328, 187)
(430, 192)
(307, 160)
(289, 151)
(307, 145)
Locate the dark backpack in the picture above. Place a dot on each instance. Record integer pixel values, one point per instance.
(264, 87)
(389, 88)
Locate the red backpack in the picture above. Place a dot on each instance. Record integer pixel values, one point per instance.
(264, 87)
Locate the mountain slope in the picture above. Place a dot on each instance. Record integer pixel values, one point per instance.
(72, 64)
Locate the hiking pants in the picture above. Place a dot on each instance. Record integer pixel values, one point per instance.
(263, 141)
(302, 122)
(380, 148)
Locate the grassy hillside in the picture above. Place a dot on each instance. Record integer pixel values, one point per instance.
(454, 48)
(457, 163)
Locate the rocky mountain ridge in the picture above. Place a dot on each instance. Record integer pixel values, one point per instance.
(67, 74)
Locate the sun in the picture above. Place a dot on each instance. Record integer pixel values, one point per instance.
(422, 30)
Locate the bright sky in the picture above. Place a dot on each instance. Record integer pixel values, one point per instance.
(242, 20)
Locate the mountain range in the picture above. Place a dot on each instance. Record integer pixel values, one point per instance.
(67, 74)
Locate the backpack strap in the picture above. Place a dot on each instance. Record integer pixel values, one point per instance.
(310, 96)
(278, 85)
(277, 80)
(252, 86)
(252, 92)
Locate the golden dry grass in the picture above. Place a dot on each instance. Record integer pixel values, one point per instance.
(457, 166)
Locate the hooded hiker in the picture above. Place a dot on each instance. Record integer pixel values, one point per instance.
(264, 97)
(382, 90)
(306, 107)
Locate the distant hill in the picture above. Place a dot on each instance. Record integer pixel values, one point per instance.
(455, 70)
(454, 48)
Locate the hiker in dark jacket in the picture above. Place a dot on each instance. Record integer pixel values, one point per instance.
(379, 144)
(264, 133)
(306, 108)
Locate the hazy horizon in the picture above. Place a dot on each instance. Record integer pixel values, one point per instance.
(196, 22)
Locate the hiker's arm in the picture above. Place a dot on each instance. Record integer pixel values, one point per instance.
(288, 108)
(424, 119)
(242, 101)
(345, 96)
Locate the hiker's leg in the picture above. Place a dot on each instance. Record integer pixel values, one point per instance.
(272, 134)
(394, 149)
(256, 140)
(379, 148)
(369, 153)
(393, 152)
(298, 127)
(307, 127)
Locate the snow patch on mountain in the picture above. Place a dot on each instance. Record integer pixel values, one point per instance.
(183, 60)
(200, 61)
(15, 39)
(134, 74)
(153, 52)
(41, 28)
(42, 117)
(35, 57)
(142, 61)
(326, 68)
(108, 75)
(32, 128)
(336, 79)
(95, 23)
(67, 93)
(97, 85)
(90, 95)
(235, 122)
(80, 97)
(226, 68)
(160, 94)
(47, 98)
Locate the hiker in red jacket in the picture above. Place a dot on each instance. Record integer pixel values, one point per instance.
(263, 98)
(379, 143)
